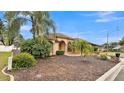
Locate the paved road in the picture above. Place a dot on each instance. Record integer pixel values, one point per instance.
(120, 76)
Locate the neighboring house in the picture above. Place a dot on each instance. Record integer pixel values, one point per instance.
(121, 48)
(61, 42)
(117, 47)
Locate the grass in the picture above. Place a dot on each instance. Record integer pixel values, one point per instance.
(3, 62)
(113, 54)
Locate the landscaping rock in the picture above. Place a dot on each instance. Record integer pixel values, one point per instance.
(61, 68)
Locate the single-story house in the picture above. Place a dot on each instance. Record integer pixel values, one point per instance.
(61, 42)
(117, 47)
(120, 48)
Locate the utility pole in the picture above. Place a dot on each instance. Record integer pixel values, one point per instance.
(107, 42)
(118, 29)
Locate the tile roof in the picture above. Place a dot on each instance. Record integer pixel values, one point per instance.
(60, 35)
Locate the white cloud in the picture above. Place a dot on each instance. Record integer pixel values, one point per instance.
(104, 30)
(103, 17)
(103, 39)
(91, 14)
(20, 15)
(107, 17)
(26, 27)
(99, 14)
(102, 20)
(102, 14)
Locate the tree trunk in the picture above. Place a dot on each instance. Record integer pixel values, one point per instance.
(33, 27)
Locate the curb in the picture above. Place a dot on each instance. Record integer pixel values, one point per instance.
(11, 77)
(112, 73)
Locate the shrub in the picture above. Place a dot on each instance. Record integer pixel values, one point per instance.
(96, 49)
(59, 52)
(41, 50)
(115, 59)
(27, 46)
(37, 49)
(122, 50)
(97, 52)
(23, 60)
(103, 57)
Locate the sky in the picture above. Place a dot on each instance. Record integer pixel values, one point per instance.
(92, 26)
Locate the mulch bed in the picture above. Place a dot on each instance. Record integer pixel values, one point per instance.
(62, 68)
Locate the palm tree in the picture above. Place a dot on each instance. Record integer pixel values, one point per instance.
(81, 45)
(41, 23)
(12, 25)
(72, 46)
(18, 40)
(84, 47)
(2, 29)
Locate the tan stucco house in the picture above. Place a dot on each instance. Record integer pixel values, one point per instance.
(61, 42)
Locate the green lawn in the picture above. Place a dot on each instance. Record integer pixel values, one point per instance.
(3, 62)
(113, 54)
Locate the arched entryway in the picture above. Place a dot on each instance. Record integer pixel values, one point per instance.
(62, 45)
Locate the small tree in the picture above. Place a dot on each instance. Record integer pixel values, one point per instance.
(84, 47)
(89, 49)
(72, 46)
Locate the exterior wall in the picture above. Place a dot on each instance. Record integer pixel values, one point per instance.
(56, 45)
